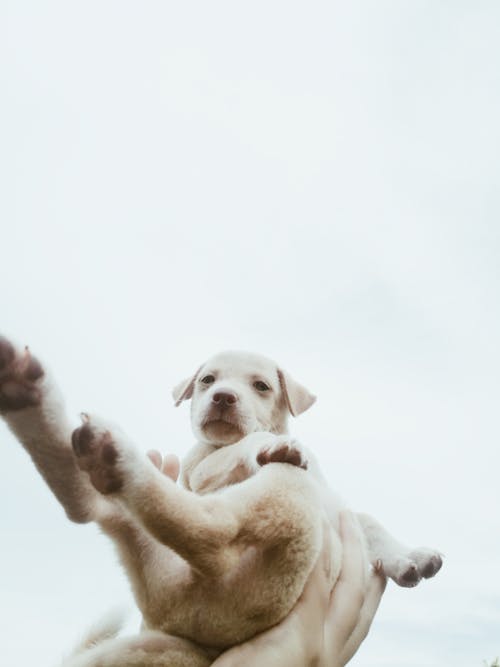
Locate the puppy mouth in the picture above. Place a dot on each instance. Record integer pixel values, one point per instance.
(222, 426)
(225, 414)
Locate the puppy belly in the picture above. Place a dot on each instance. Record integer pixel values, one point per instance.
(219, 613)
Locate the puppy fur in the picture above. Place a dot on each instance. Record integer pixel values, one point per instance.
(225, 556)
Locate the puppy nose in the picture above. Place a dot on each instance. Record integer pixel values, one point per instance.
(223, 398)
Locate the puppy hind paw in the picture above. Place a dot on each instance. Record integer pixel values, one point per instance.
(409, 569)
(409, 576)
(403, 571)
(429, 562)
(97, 454)
(19, 378)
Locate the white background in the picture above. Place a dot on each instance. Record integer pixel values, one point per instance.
(315, 181)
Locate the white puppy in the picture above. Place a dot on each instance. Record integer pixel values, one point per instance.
(224, 558)
(236, 394)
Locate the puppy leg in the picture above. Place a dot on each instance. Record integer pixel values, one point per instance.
(200, 529)
(260, 448)
(149, 649)
(206, 469)
(405, 566)
(34, 411)
(32, 407)
(139, 553)
(188, 523)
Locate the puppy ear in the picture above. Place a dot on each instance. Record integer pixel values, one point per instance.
(184, 390)
(297, 398)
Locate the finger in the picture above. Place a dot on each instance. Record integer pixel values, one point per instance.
(376, 588)
(171, 466)
(317, 588)
(155, 457)
(349, 592)
(353, 549)
(306, 620)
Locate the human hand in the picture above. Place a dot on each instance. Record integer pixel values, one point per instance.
(354, 599)
(168, 465)
(325, 628)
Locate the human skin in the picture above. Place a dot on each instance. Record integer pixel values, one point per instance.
(326, 628)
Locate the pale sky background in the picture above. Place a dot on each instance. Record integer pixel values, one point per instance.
(315, 181)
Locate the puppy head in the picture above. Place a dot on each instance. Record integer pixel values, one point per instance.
(236, 393)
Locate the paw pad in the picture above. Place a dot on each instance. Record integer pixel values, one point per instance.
(19, 375)
(410, 568)
(286, 451)
(411, 576)
(97, 454)
(429, 562)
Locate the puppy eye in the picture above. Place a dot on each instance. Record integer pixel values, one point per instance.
(261, 386)
(208, 379)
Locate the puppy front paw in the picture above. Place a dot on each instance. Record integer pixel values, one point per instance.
(98, 454)
(283, 450)
(20, 375)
